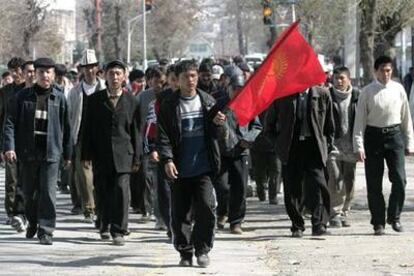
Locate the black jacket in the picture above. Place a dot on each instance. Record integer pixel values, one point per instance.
(351, 111)
(281, 117)
(111, 139)
(169, 129)
(6, 94)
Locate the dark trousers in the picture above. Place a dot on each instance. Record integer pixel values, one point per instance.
(388, 146)
(39, 180)
(144, 182)
(112, 191)
(305, 167)
(267, 169)
(196, 192)
(14, 197)
(164, 196)
(231, 186)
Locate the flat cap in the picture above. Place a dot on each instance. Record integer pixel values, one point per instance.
(115, 63)
(44, 63)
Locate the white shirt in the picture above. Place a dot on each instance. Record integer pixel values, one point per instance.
(89, 89)
(381, 106)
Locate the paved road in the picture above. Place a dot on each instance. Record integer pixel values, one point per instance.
(264, 249)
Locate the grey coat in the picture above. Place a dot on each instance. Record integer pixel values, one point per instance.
(75, 104)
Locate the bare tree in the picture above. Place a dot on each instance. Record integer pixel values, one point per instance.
(33, 17)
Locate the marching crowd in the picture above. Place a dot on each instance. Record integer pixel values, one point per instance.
(163, 143)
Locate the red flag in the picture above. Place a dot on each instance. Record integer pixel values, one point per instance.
(290, 67)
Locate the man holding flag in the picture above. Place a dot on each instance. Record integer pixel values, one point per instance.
(302, 126)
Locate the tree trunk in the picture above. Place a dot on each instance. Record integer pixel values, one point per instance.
(366, 38)
(118, 32)
(240, 35)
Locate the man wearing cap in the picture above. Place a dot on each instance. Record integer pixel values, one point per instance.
(231, 185)
(112, 143)
(78, 104)
(36, 133)
(13, 198)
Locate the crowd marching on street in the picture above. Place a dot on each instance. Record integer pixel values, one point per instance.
(162, 143)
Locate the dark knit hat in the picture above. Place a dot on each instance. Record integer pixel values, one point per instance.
(44, 63)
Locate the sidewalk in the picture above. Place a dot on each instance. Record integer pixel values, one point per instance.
(265, 248)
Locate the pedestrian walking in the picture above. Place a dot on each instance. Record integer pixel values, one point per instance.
(384, 131)
(37, 133)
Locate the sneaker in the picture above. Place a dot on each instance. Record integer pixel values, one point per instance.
(31, 231)
(186, 262)
(203, 260)
(236, 229)
(76, 210)
(118, 240)
(105, 235)
(297, 233)
(221, 221)
(379, 230)
(19, 224)
(46, 240)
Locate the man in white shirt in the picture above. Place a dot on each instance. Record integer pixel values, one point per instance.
(383, 130)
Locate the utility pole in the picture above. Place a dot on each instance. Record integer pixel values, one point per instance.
(144, 37)
(98, 13)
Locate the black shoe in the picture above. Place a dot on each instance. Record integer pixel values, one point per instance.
(319, 231)
(46, 240)
(335, 222)
(345, 222)
(76, 210)
(297, 233)
(105, 235)
(31, 231)
(203, 260)
(186, 261)
(273, 201)
(397, 227)
(221, 221)
(379, 230)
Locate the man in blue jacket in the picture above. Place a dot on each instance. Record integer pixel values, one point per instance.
(37, 133)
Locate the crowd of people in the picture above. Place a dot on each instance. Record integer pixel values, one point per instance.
(162, 143)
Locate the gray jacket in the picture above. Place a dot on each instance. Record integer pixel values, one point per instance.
(75, 105)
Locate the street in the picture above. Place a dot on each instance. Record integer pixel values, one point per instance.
(265, 248)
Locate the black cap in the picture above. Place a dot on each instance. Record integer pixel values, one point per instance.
(115, 63)
(44, 63)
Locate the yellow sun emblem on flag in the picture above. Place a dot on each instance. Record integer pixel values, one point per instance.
(279, 65)
(278, 69)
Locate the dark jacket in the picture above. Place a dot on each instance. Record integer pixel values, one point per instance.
(19, 126)
(169, 129)
(351, 111)
(263, 143)
(230, 146)
(111, 139)
(6, 94)
(280, 122)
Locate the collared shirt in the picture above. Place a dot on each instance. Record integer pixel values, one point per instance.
(113, 98)
(382, 106)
